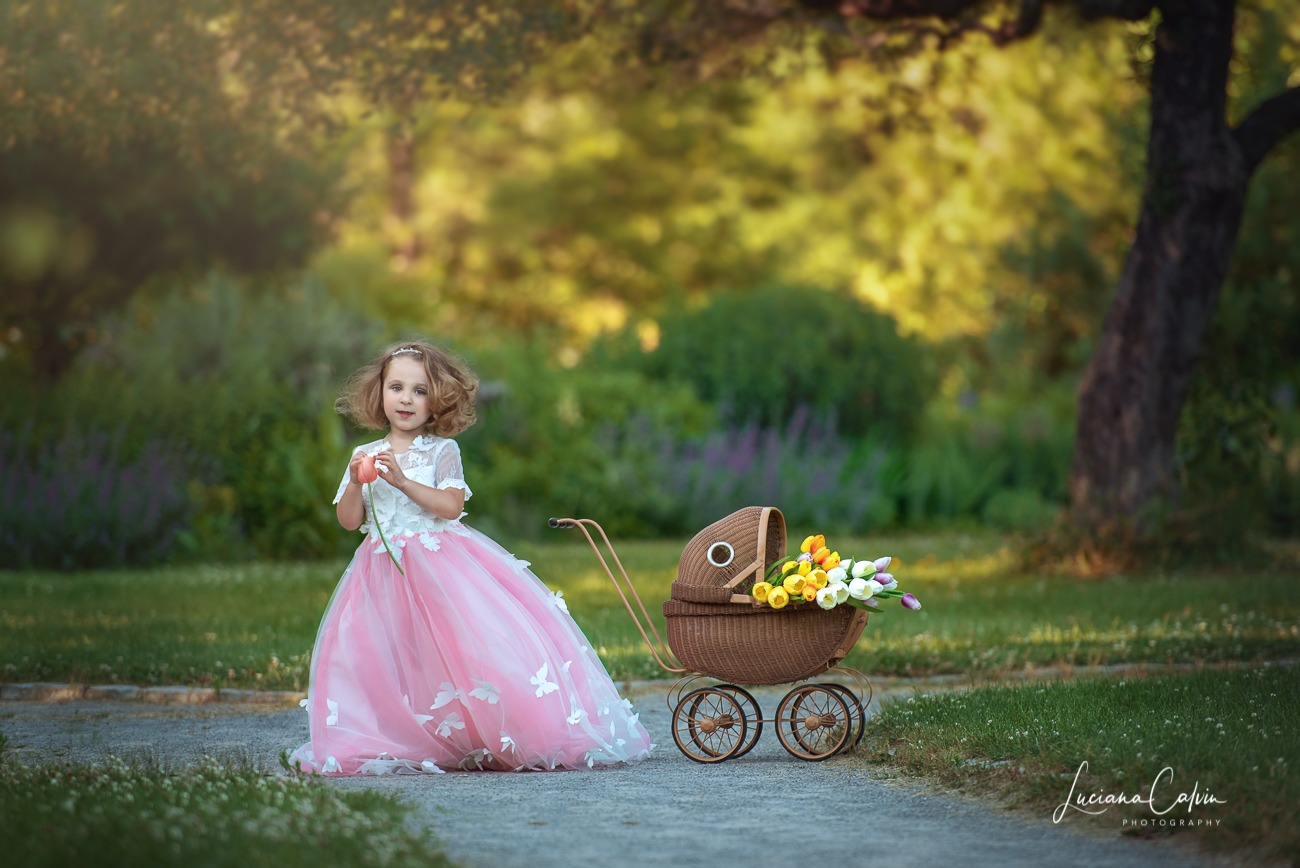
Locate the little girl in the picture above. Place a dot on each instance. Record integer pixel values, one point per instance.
(462, 658)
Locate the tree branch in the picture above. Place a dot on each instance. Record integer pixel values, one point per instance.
(1267, 125)
(907, 12)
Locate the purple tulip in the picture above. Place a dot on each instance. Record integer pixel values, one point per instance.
(884, 578)
(805, 557)
(911, 602)
(872, 602)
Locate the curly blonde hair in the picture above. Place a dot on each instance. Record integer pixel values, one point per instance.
(452, 388)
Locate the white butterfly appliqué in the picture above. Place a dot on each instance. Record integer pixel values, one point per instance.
(576, 715)
(543, 686)
(557, 600)
(485, 691)
(450, 722)
(333, 706)
(331, 765)
(507, 743)
(448, 695)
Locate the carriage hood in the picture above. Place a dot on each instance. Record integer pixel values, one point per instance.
(728, 553)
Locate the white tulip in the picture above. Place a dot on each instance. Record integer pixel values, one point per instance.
(875, 586)
(861, 568)
(839, 574)
(826, 598)
(841, 591)
(859, 590)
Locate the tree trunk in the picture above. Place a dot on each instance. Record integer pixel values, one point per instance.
(1137, 380)
(401, 201)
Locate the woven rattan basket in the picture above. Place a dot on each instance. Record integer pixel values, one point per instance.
(718, 632)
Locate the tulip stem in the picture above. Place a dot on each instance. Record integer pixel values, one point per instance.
(374, 516)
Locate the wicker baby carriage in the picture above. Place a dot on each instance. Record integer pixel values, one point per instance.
(716, 632)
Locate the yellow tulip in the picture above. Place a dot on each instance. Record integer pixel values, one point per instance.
(818, 579)
(805, 567)
(760, 591)
(788, 566)
(807, 544)
(810, 592)
(831, 562)
(794, 584)
(818, 542)
(777, 598)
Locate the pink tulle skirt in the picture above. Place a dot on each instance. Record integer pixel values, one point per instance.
(465, 662)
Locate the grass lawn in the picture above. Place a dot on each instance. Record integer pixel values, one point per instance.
(1227, 734)
(253, 625)
(212, 814)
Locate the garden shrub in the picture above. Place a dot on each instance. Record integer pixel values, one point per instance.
(766, 353)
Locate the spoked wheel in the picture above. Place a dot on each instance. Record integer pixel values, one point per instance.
(709, 725)
(813, 722)
(753, 716)
(857, 712)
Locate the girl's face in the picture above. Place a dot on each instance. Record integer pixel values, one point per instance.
(406, 394)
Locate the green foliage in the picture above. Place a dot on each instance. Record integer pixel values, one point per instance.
(1001, 458)
(208, 813)
(244, 378)
(761, 355)
(557, 441)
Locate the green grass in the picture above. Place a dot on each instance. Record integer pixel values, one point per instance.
(253, 625)
(1228, 733)
(212, 814)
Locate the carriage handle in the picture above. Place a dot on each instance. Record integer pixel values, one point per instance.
(581, 524)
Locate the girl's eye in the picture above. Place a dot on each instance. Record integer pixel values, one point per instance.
(419, 391)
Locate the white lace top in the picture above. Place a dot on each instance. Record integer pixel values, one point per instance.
(432, 461)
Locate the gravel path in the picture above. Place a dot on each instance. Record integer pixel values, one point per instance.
(667, 811)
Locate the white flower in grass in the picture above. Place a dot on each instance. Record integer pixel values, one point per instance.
(333, 706)
(543, 686)
(557, 600)
(450, 722)
(840, 590)
(826, 598)
(485, 691)
(448, 695)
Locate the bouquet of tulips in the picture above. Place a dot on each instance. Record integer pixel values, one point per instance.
(819, 575)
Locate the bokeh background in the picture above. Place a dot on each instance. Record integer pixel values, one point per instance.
(860, 288)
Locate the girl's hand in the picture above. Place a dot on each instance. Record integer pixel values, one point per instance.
(393, 475)
(353, 465)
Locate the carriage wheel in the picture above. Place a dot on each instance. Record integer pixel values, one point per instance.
(856, 711)
(753, 716)
(813, 723)
(709, 725)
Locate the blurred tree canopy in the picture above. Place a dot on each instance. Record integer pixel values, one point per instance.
(564, 170)
(148, 136)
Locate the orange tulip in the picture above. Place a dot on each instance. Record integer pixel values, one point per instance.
(831, 562)
(810, 592)
(366, 470)
(821, 554)
(818, 542)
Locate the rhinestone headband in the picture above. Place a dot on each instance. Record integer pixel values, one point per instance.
(411, 350)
